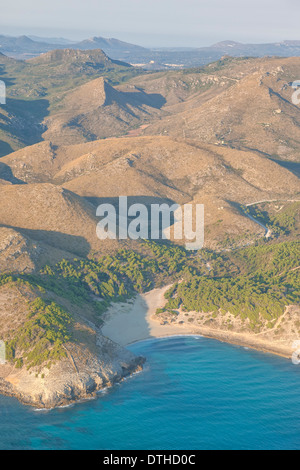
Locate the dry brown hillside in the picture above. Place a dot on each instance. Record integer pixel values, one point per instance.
(51, 214)
(161, 164)
(256, 112)
(189, 88)
(96, 110)
(148, 169)
(214, 129)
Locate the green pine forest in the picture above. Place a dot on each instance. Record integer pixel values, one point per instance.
(255, 283)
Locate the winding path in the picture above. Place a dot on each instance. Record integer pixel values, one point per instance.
(268, 231)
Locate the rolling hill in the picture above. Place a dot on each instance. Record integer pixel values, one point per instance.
(255, 113)
(80, 129)
(36, 86)
(97, 110)
(149, 170)
(50, 214)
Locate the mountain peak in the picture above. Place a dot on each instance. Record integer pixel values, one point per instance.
(62, 55)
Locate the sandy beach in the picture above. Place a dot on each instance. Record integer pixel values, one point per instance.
(126, 323)
(136, 320)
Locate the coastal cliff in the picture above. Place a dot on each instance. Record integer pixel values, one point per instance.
(77, 377)
(66, 327)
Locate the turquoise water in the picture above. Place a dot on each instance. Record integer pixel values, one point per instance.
(195, 393)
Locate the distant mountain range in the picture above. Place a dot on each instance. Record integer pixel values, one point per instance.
(25, 47)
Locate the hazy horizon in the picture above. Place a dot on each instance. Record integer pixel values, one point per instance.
(163, 23)
(73, 39)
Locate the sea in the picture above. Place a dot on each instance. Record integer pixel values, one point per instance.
(193, 394)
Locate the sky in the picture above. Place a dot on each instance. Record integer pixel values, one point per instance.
(154, 23)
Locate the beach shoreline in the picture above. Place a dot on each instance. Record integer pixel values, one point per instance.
(136, 320)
